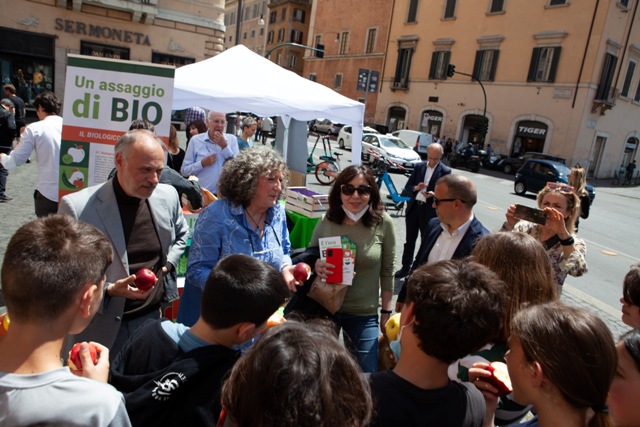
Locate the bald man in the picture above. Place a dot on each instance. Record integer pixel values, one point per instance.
(144, 221)
(420, 210)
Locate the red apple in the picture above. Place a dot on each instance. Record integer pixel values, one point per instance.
(301, 272)
(74, 356)
(499, 378)
(145, 279)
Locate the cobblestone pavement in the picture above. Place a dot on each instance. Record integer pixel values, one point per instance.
(21, 184)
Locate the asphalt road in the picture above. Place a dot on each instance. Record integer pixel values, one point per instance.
(611, 232)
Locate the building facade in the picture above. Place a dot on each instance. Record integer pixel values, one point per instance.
(560, 76)
(37, 35)
(354, 49)
(288, 22)
(253, 23)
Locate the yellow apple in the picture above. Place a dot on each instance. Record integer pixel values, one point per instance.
(392, 327)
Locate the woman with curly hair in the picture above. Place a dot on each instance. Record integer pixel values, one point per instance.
(297, 374)
(356, 211)
(247, 219)
(558, 235)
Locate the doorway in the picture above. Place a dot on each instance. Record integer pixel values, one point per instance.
(396, 118)
(596, 156)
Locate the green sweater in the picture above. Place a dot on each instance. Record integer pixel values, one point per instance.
(375, 262)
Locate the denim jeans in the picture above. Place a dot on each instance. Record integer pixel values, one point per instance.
(361, 338)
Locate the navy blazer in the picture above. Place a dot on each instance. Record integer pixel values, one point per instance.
(475, 231)
(417, 176)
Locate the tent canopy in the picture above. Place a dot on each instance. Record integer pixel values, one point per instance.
(241, 80)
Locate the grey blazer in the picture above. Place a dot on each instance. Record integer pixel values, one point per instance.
(97, 206)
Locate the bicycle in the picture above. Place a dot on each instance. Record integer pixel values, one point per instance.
(380, 167)
(327, 170)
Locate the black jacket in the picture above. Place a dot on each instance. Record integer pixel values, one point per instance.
(7, 130)
(162, 385)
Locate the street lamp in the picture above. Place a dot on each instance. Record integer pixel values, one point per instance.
(239, 20)
(291, 44)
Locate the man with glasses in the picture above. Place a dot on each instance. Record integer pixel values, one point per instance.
(420, 210)
(208, 151)
(455, 231)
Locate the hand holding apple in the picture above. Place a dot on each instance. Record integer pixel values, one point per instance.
(499, 378)
(145, 279)
(75, 362)
(301, 272)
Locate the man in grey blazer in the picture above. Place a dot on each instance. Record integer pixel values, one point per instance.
(144, 221)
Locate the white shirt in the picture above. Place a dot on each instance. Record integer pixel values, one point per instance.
(44, 137)
(200, 146)
(427, 177)
(447, 243)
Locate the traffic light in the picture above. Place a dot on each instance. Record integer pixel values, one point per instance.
(320, 51)
(482, 127)
(451, 69)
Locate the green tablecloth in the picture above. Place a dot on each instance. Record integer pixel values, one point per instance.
(300, 234)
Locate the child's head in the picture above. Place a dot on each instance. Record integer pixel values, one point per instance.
(47, 263)
(242, 289)
(631, 297)
(297, 374)
(561, 352)
(625, 388)
(522, 263)
(457, 305)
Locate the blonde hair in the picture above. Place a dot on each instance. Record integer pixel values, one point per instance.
(573, 205)
(578, 180)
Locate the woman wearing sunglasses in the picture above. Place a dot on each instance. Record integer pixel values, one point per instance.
(565, 249)
(355, 210)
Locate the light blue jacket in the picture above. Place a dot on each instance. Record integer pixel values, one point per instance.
(221, 230)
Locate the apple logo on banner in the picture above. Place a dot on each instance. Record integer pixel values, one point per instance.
(74, 155)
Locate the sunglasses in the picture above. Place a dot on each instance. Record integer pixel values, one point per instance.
(348, 190)
(437, 201)
(562, 188)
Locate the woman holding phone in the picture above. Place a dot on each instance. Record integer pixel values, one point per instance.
(557, 234)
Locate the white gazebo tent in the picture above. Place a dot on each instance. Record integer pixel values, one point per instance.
(241, 80)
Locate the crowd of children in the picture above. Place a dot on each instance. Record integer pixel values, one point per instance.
(562, 360)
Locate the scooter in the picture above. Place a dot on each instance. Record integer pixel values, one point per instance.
(380, 167)
(463, 159)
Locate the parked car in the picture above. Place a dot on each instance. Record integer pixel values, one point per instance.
(390, 147)
(418, 140)
(535, 173)
(326, 126)
(344, 136)
(512, 164)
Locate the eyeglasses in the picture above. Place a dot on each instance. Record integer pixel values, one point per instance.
(216, 121)
(363, 190)
(562, 188)
(437, 201)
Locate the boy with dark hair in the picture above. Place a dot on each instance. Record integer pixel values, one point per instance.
(453, 308)
(631, 297)
(171, 374)
(52, 279)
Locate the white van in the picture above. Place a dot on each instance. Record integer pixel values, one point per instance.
(418, 140)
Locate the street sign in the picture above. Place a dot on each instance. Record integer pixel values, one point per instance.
(368, 80)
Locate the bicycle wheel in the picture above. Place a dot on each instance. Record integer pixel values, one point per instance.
(326, 173)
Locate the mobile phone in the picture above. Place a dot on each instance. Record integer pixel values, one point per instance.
(530, 214)
(335, 257)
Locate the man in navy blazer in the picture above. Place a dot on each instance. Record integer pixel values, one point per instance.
(455, 231)
(144, 221)
(420, 210)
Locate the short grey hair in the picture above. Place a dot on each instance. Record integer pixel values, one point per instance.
(128, 139)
